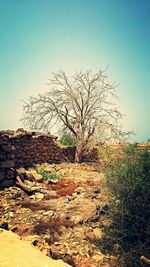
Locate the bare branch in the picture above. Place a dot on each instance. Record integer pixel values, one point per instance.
(83, 103)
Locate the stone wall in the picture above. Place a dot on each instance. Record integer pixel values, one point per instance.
(32, 148)
(90, 155)
(7, 171)
(23, 149)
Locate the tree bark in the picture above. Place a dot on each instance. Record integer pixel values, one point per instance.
(79, 152)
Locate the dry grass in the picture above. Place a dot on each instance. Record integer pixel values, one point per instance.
(51, 226)
(35, 206)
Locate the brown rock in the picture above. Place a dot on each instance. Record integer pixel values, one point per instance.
(34, 176)
(97, 232)
(7, 164)
(7, 183)
(2, 156)
(2, 175)
(7, 148)
(1, 140)
(10, 174)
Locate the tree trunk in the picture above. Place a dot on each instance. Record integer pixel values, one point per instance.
(79, 152)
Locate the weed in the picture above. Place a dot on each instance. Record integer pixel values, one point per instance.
(48, 176)
(129, 182)
(67, 139)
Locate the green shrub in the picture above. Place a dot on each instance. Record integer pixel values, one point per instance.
(104, 153)
(129, 181)
(67, 140)
(48, 176)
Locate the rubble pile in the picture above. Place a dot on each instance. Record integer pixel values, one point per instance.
(63, 218)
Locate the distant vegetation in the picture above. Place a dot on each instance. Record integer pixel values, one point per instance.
(67, 140)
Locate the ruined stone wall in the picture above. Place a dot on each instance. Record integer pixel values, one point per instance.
(90, 155)
(23, 149)
(7, 171)
(34, 148)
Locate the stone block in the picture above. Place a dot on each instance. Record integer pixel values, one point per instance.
(10, 156)
(7, 183)
(7, 148)
(2, 175)
(1, 140)
(10, 174)
(2, 156)
(7, 164)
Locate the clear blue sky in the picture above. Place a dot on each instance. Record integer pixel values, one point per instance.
(39, 36)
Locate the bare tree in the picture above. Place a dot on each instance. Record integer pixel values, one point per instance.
(80, 104)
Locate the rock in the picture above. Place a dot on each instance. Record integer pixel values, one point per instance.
(10, 174)
(77, 219)
(11, 214)
(39, 195)
(97, 190)
(2, 175)
(104, 209)
(71, 221)
(7, 183)
(49, 213)
(97, 232)
(3, 156)
(1, 140)
(50, 194)
(79, 190)
(98, 258)
(34, 176)
(4, 225)
(7, 164)
(21, 171)
(7, 148)
(89, 235)
(32, 197)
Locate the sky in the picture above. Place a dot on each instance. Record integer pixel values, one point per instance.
(40, 36)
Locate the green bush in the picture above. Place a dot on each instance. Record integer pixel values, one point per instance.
(129, 181)
(48, 176)
(67, 140)
(104, 153)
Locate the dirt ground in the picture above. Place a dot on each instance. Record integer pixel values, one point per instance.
(63, 219)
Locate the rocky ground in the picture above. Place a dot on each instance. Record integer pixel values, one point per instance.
(63, 217)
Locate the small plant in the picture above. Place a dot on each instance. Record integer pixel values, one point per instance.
(67, 140)
(48, 176)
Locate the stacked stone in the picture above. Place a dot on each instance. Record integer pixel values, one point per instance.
(35, 148)
(69, 153)
(7, 172)
(91, 155)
